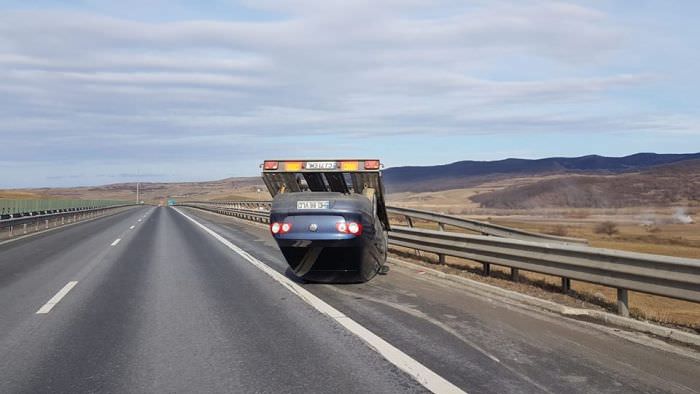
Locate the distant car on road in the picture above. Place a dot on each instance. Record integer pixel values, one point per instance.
(329, 218)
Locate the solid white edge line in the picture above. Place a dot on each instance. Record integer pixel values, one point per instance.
(422, 374)
(116, 241)
(55, 299)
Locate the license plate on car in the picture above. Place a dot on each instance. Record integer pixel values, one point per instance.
(313, 204)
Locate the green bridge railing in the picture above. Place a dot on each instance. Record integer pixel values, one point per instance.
(13, 207)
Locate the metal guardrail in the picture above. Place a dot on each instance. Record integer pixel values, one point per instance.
(236, 209)
(654, 274)
(667, 276)
(32, 222)
(483, 228)
(14, 208)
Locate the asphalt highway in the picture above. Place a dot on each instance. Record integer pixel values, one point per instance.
(148, 301)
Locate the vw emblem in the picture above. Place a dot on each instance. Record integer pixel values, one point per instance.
(313, 227)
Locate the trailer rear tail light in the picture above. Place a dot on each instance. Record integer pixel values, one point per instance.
(292, 166)
(270, 165)
(280, 228)
(372, 164)
(349, 165)
(349, 228)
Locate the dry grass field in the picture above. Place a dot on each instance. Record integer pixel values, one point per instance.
(225, 189)
(21, 195)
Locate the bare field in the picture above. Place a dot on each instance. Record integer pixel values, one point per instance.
(225, 189)
(21, 195)
(457, 201)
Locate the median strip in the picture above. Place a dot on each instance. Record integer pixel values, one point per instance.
(55, 299)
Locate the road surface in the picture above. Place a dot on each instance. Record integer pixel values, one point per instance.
(148, 301)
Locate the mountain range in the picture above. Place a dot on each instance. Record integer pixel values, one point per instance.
(469, 173)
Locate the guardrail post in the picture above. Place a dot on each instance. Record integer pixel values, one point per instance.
(514, 274)
(47, 223)
(24, 228)
(441, 257)
(487, 269)
(565, 285)
(410, 224)
(63, 220)
(11, 228)
(623, 307)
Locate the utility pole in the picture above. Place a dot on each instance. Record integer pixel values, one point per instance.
(138, 201)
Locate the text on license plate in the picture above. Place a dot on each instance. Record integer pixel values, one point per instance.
(321, 165)
(313, 204)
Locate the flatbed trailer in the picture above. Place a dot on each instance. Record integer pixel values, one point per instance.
(329, 217)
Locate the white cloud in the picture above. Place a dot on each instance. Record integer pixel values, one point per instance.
(359, 68)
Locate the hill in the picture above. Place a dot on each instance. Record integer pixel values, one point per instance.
(471, 173)
(229, 188)
(671, 184)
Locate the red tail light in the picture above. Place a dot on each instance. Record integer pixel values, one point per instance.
(270, 165)
(275, 228)
(349, 228)
(342, 227)
(372, 164)
(280, 228)
(354, 228)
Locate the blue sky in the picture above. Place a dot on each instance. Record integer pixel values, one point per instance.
(95, 92)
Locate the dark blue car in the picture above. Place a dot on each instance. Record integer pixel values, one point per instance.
(328, 235)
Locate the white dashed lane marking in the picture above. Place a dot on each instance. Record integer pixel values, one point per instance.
(55, 299)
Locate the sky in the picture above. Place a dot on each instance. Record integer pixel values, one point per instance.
(97, 92)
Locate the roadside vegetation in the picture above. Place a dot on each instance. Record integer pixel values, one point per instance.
(606, 228)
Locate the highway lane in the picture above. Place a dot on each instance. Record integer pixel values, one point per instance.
(32, 269)
(485, 346)
(167, 308)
